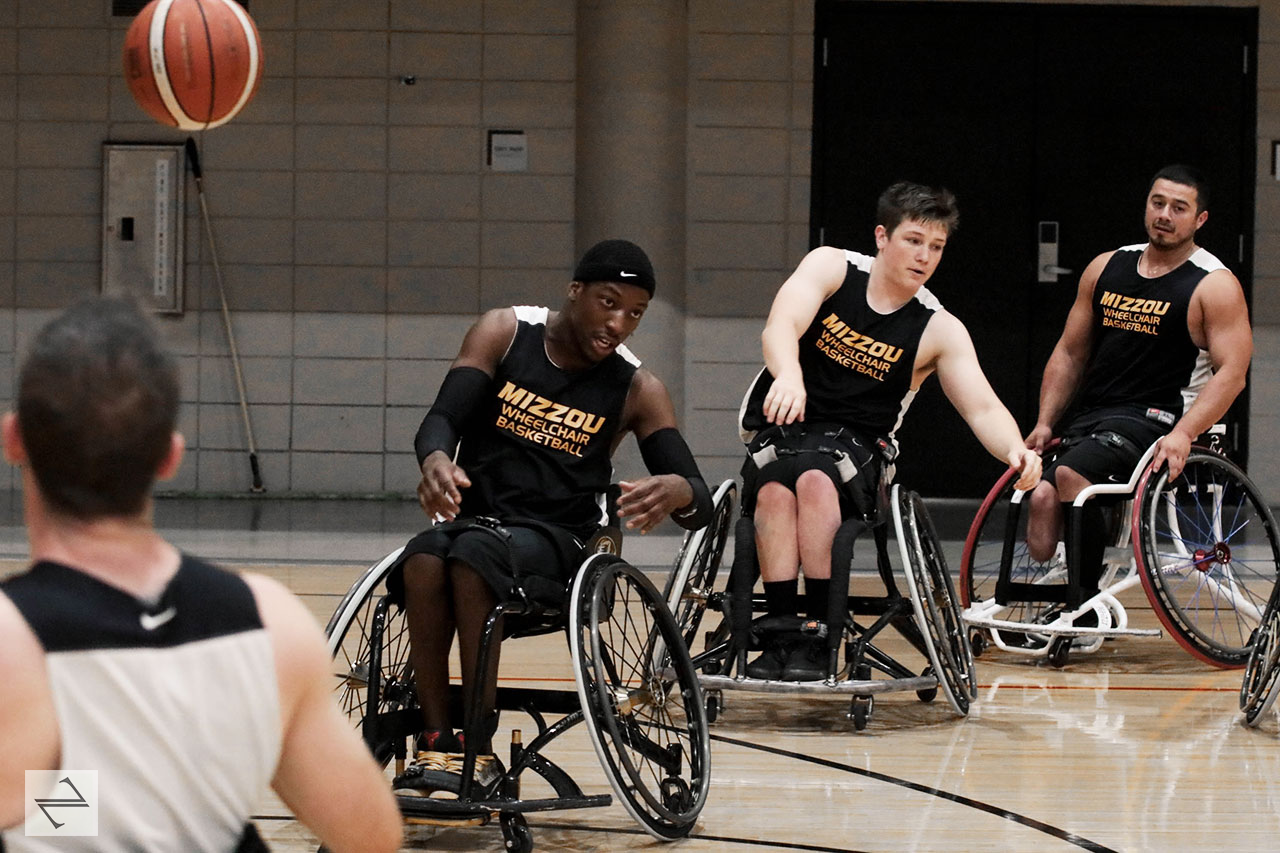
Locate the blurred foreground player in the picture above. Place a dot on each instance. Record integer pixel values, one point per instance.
(187, 689)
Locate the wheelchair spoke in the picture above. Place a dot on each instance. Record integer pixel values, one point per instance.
(1209, 556)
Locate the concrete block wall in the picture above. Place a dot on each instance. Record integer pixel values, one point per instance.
(1264, 400)
(750, 122)
(360, 231)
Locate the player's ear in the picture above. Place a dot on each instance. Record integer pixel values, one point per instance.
(1201, 218)
(882, 237)
(15, 453)
(575, 288)
(173, 458)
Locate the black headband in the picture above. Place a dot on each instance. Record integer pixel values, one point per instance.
(616, 260)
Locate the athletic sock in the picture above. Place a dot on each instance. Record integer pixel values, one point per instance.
(781, 597)
(816, 597)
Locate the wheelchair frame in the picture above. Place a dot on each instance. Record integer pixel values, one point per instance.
(635, 688)
(1180, 539)
(928, 617)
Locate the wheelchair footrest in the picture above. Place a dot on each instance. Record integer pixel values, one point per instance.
(862, 687)
(797, 625)
(1054, 629)
(456, 810)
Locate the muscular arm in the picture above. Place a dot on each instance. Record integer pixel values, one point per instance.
(326, 774)
(967, 388)
(646, 501)
(439, 491)
(1219, 323)
(797, 302)
(1066, 365)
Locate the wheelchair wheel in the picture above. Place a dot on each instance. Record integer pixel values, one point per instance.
(1262, 670)
(694, 575)
(1206, 545)
(644, 710)
(368, 640)
(985, 548)
(934, 598)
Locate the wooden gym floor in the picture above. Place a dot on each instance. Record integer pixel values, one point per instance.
(1136, 747)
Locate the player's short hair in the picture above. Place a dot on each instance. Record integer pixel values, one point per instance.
(905, 200)
(97, 405)
(1188, 176)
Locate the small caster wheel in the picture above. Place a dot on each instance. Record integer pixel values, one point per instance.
(928, 694)
(860, 711)
(515, 833)
(977, 642)
(1059, 651)
(676, 795)
(715, 704)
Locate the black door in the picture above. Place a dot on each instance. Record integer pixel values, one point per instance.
(1031, 114)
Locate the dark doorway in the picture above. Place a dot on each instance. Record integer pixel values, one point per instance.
(1031, 114)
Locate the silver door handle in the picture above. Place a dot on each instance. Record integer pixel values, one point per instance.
(1053, 269)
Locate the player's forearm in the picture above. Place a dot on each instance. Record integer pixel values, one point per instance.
(1061, 376)
(781, 347)
(1212, 403)
(998, 432)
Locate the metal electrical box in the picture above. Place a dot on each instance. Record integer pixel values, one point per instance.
(143, 211)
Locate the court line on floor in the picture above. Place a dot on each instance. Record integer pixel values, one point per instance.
(960, 799)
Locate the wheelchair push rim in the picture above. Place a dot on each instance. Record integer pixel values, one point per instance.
(1261, 681)
(988, 543)
(1208, 553)
(934, 600)
(698, 564)
(644, 710)
(367, 677)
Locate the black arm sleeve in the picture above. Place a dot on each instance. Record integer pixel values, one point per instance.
(460, 394)
(665, 452)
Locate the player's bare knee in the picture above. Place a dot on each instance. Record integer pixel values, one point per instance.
(774, 499)
(816, 488)
(1070, 484)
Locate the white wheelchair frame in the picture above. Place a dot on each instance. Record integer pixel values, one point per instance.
(1057, 637)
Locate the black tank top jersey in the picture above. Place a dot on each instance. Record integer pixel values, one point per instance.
(857, 362)
(1143, 355)
(540, 446)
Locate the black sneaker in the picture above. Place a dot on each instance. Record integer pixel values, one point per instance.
(807, 662)
(769, 666)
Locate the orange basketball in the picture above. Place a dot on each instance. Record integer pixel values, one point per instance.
(192, 64)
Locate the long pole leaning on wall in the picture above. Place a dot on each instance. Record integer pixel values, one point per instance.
(193, 157)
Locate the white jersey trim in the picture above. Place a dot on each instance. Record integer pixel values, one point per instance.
(1202, 258)
(859, 260)
(1201, 373)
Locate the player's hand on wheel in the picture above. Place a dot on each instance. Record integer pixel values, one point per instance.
(1028, 463)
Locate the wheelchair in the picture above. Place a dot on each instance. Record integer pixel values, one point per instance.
(635, 690)
(1261, 682)
(1202, 546)
(928, 617)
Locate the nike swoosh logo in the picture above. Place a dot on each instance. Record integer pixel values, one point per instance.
(627, 274)
(151, 622)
